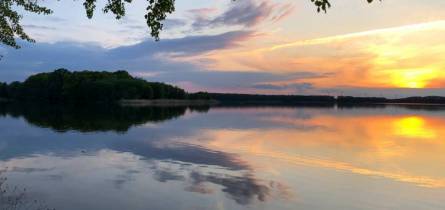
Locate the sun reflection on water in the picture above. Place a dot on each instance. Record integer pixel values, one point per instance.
(413, 127)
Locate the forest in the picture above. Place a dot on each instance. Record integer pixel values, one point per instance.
(64, 85)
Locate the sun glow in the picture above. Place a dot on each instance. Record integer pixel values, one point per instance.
(409, 57)
(413, 127)
(416, 78)
(394, 147)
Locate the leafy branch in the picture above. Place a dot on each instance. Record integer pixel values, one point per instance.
(156, 13)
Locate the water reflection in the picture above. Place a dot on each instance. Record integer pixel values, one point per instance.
(243, 187)
(413, 127)
(198, 167)
(184, 153)
(370, 142)
(127, 172)
(199, 170)
(91, 118)
(384, 157)
(16, 198)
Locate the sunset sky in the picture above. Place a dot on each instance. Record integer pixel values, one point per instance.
(392, 48)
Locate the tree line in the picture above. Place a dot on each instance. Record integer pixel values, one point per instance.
(64, 85)
(258, 99)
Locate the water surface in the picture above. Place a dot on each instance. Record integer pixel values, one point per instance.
(345, 158)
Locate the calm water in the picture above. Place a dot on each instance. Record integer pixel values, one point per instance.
(72, 157)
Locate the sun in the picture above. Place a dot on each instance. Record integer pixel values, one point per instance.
(412, 78)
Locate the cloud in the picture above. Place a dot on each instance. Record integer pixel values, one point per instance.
(149, 56)
(187, 46)
(269, 87)
(408, 56)
(285, 11)
(246, 13)
(203, 11)
(55, 19)
(295, 86)
(173, 23)
(33, 26)
(230, 81)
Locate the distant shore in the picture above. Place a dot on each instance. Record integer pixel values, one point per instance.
(260, 100)
(253, 99)
(167, 102)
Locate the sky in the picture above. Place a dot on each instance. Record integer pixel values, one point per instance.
(392, 48)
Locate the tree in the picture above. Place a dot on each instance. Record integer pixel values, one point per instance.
(63, 85)
(14, 90)
(157, 11)
(3, 90)
(10, 20)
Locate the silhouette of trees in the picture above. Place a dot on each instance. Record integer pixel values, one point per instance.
(255, 99)
(3, 90)
(361, 100)
(199, 95)
(63, 85)
(13, 90)
(156, 13)
(63, 117)
(420, 100)
(381, 100)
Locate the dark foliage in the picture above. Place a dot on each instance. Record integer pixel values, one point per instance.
(323, 5)
(381, 100)
(199, 95)
(421, 100)
(63, 85)
(3, 90)
(295, 100)
(225, 98)
(358, 100)
(199, 109)
(62, 117)
(10, 26)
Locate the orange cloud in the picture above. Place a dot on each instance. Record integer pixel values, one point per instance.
(409, 56)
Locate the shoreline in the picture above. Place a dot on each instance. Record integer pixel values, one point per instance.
(166, 102)
(213, 102)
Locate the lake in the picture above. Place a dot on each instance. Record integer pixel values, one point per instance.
(163, 158)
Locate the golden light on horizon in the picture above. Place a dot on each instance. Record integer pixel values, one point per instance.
(413, 78)
(404, 57)
(413, 127)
